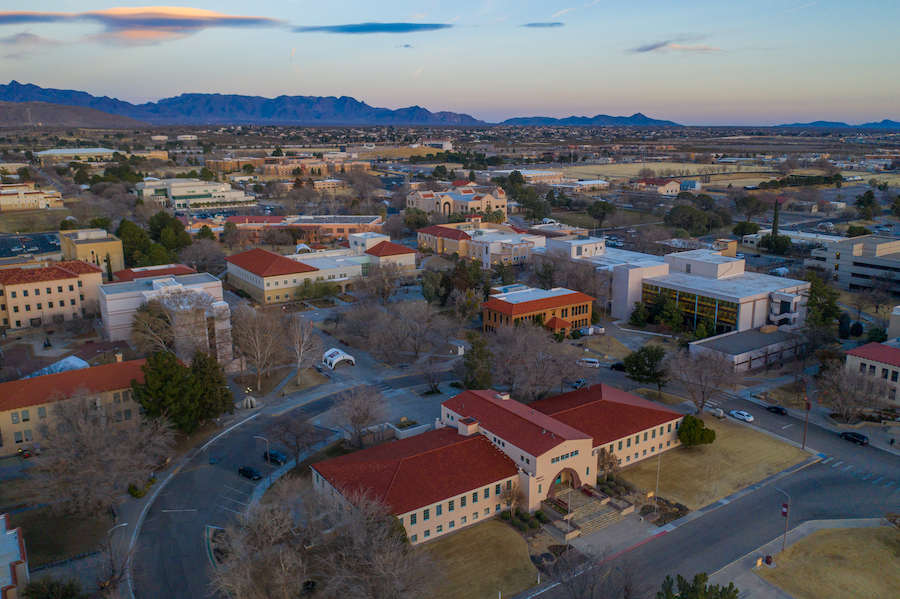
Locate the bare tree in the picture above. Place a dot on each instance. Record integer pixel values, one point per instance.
(204, 255)
(430, 371)
(858, 301)
(241, 237)
(892, 519)
(418, 326)
(276, 237)
(607, 461)
(466, 304)
(381, 281)
(88, 458)
(358, 409)
(305, 345)
(513, 496)
(595, 576)
(850, 392)
(176, 322)
(260, 340)
(298, 434)
(522, 359)
(703, 375)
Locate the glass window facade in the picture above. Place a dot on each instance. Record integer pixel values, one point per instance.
(695, 307)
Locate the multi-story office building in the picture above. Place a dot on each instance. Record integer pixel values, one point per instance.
(33, 297)
(859, 263)
(559, 309)
(191, 194)
(462, 201)
(94, 246)
(24, 196)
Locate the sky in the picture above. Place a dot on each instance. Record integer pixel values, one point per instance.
(703, 62)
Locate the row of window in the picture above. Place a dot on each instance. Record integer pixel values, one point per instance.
(25, 416)
(450, 525)
(451, 505)
(637, 438)
(39, 305)
(884, 371)
(37, 291)
(564, 456)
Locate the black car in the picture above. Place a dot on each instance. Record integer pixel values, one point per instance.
(248, 472)
(778, 410)
(276, 457)
(620, 366)
(857, 438)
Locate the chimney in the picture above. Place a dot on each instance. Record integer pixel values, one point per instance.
(502, 396)
(118, 357)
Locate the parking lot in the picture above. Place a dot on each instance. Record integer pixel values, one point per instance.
(30, 243)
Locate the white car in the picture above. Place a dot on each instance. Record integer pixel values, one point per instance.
(741, 415)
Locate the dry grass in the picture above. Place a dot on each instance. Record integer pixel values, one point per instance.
(184, 443)
(482, 560)
(268, 382)
(17, 222)
(51, 538)
(840, 564)
(606, 345)
(699, 476)
(396, 153)
(308, 378)
(624, 218)
(666, 398)
(14, 491)
(791, 395)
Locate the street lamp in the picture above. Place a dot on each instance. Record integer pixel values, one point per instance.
(785, 511)
(658, 465)
(268, 456)
(113, 569)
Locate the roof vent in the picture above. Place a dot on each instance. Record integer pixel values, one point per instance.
(502, 396)
(543, 431)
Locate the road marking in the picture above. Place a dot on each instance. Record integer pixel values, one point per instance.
(828, 460)
(877, 480)
(171, 511)
(836, 464)
(227, 508)
(238, 490)
(784, 427)
(889, 484)
(847, 468)
(230, 499)
(869, 475)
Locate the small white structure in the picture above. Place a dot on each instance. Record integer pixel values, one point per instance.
(334, 355)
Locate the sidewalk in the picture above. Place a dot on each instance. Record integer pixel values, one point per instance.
(754, 587)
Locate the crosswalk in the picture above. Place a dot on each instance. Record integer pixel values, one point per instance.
(720, 399)
(855, 471)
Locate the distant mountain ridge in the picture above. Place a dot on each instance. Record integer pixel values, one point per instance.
(16, 114)
(601, 120)
(885, 124)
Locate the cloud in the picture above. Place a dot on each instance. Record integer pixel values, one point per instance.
(675, 45)
(404, 46)
(543, 25)
(564, 11)
(802, 7)
(142, 25)
(24, 43)
(367, 28)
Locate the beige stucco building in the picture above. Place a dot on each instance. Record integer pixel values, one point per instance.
(878, 360)
(462, 201)
(24, 196)
(38, 296)
(93, 246)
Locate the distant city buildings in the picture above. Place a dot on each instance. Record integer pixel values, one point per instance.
(191, 194)
(25, 196)
(57, 292)
(462, 200)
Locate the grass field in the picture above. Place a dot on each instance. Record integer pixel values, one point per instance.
(15, 490)
(308, 378)
(607, 345)
(268, 382)
(840, 564)
(41, 220)
(51, 538)
(791, 395)
(699, 476)
(481, 561)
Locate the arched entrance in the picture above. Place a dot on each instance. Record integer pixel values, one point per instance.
(565, 480)
(348, 287)
(446, 209)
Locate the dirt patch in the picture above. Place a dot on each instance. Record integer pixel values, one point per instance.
(791, 395)
(482, 560)
(308, 378)
(666, 398)
(699, 476)
(50, 537)
(843, 563)
(346, 297)
(269, 382)
(322, 303)
(606, 345)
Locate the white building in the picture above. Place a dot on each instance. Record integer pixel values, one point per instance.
(531, 176)
(799, 237)
(492, 247)
(190, 194)
(858, 262)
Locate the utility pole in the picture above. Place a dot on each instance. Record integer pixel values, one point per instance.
(785, 511)
(268, 457)
(806, 424)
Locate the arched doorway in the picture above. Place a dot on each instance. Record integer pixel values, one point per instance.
(446, 209)
(565, 480)
(348, 287)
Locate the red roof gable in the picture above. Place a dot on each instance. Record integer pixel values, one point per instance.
(447, 232)
(418, 471)
(264, 263)
(515, 422)
(58, 271)
(79, 267)
(557, 323)
(130, 274)
(605, 413)
(884, 354)
(386, 248)
(537, 305)
(462, 183)
(44, 389)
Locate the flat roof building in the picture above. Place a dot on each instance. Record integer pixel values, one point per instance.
(858, 263)
(48, 294)
(94, 246)
(558, 309)
(191, 194)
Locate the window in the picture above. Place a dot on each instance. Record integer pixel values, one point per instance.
(628, 445)
(427, 534)
(496, 489)
(440, 529)
(893, 376)
(487, 493)
(79, 283)
(412, 519)
(884, 373)
(668, 443)
(487, 511)
(24, 293)
(462, 520)
(426, 514)
(127, 414)
(654, 434)
(862, 367)
(50, 304)
(588, 473)
(677, 424)
(497, 508)
(28, 436)
(636, 456)
(15, 417)
(645, 436)
(28, 307)
(12, 294)
(645, 453)
(462, 501)
(474, 515)
(413, 538)
(18, 437)
(42, 412)
(119, 416)
(37, 292)
(508, 485)
(637, 439)
(72, 301)
(71, 287)
(126, 396)
(59, 289)
(438, 510)
(539, 492)
(117, 397)
(452, 524)
(450, 506)
(25, 416)
(16, 309)
(620, 446)
(475, 497)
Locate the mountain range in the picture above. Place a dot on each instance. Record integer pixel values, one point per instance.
(885, 124)
(203, 109)
(14, 114)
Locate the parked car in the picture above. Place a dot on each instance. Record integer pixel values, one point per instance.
(589, 362)
(741, 415)
(620, 366)
(857, 438)
(249, 472)
(777, 410)
(578, 384)
(276, 457)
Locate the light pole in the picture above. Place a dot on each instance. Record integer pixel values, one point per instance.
(114, 573)
(658, 465)
(268, 457)
(806, 423)
(786, 512)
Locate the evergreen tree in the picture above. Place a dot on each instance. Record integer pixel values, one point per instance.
(170, 390)
(135, 240)
(693, 431)
(206, 233)
(216, 398)
(696, 589)
(477, 362)
(645, 366)
(821, 302)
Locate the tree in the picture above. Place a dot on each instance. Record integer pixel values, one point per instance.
(206, 233)
(248, 169)
(892, 519)
(358, 409)
(415, 218)
(639, 315)
(466, 304)
(693, 431)
(850, 392)
(215, 396)
(821, 301)
(305, 345)
(204, 255)
(176, 322)
(259, 337)
(477, 363)
(381, 281)
(237, 236)
(745, 228)
(866, 205)
(50, 588)
(857, 231)
(607, 461)
(276, 237)
(430, 371)
(297, 434)
(750, 206)
(512, 496)
(88, 459)
(699, 588)
(595, 576)
(876, 335)
(646, 366)
(601, 210)
(170, 390)
(704, 375)
(777, 244)
(135, 241)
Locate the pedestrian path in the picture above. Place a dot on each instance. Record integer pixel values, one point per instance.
(859, 472)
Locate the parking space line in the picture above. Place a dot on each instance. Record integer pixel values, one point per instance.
(877, 480)
(889, 484)
(847, 468)
(836, 464)
(784, 427)
(868, 476)
(228, 508)
(230, 499)
(826, 461)
(238, 490)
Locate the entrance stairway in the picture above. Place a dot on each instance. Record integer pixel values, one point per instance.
(588, 513)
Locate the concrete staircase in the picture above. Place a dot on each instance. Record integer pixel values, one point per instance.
(600, 519)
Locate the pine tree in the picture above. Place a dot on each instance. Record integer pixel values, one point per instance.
(170, 390)
(216, 398)
(477, 363)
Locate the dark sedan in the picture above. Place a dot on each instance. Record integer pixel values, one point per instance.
(857, 438)
(778, 410)
(249, 472)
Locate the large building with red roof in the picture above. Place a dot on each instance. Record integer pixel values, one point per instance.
(559, 309)
(48, 294)
(26, 405)
(454, 476)
(879, 360)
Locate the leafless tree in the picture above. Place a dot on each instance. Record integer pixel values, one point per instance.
(358, 409)
(878, 300)
(595, 576)
(607, 461)
(850, 392)
(858, 301)
(30, 220)
(176, 322)
(513, 496)
(276, 237)
(381, 281)
(522, 359)
(892, 519)
(430, 370)
(241, 237)
(360, 318)
(305, 345)
(297, 434)
(88, 458)
(260, 339)
(204, 255)
(703, 375)
(418, 326)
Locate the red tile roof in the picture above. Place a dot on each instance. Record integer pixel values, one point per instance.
(656, 181)
(386, 248)
(57, 271)
(446, 232)
(130, 274)
(537, 305)
(243, 220)
(884, 354)
(44, 389)
(419, 471)
(557, 323)
(605, 413)
(462, 183)
(515, 422)
(264, 263)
